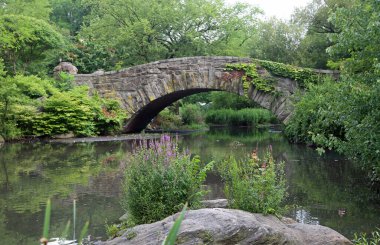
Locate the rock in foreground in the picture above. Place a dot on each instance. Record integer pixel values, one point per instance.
(229, 226)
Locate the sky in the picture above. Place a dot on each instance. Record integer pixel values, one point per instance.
(279, 8)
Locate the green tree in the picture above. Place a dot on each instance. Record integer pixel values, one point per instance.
(224, 100)
(39, 9)
(27, 44)
(276, 40)
(358, 41)
(68, 14)
(140, 32)
(2, 68)
(314, 20)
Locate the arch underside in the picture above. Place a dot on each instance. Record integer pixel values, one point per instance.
(144, 116)
(278, 106)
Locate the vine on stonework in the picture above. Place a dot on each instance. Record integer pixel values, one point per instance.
(248, 74)
(302, 75)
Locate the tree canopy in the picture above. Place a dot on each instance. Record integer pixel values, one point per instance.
(27, 43)
(139, 32)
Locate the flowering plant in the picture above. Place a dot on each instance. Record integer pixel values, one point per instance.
(256, 184)
(160, 179)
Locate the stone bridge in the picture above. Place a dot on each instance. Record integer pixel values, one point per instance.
(147, 89)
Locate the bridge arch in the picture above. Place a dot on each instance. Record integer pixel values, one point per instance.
(147, 89)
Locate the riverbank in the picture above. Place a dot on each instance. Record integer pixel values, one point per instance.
(91, 173)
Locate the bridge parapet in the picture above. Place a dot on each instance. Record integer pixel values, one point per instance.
(147, 89)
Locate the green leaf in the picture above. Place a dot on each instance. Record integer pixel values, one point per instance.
(172, 236)
(47, 219)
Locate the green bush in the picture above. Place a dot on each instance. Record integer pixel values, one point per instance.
(363, 239)
(75, 111)
(160, 179)
(30, 105)
(20, 96)
(168, 120)
(244, 117)
(64, 82)
(109, 115)
(256, 184)
(225, 100)
(341, 116)
(316, 119)
(191, 114)
(64, 112)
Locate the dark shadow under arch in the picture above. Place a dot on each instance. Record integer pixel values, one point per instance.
(144, 116)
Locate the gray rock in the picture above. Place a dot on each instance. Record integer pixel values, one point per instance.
(228, 226)
(65, 67)
(217, 203)
(68, 135)
(98, 72)
(1, 139)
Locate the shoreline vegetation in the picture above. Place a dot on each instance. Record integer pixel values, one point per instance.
(342, 35)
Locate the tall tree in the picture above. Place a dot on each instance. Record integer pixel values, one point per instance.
(26, 43)
(39, 9)
(143, 31)
(357, 45)
(315, 21)
(68, 14)
(275, 40)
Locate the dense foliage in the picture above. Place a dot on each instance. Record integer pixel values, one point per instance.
(249, 76)
(223, 100)
(160, 179)
(256, 184)
(139, 32)
(33, 106)
(28, 44)
(364, 239)
(243, 117)
(343, 116)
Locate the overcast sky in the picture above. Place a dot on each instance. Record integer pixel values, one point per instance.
(279, 8)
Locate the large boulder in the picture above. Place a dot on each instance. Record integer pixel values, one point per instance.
(65, 67)
(229, 226)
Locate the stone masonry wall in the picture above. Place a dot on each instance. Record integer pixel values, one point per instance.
(140, 86)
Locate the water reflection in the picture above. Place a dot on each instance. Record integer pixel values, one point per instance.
(303, 216)
(326, 190)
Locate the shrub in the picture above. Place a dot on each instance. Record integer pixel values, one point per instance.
(255, 184)
(363, 239)
(167, 120)
(65, 112)
(223, 100)
(341, 116)
(74, 111)
(244, 117)
(109, 116)
(20, 96)
(160, 179)
(316, 119)
(191, 114)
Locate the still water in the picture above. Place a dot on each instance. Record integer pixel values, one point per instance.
(326, 190)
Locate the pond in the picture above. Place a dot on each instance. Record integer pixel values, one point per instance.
(327, 190)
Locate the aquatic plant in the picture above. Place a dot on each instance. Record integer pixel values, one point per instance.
(45, 235)
(256, 184)
(160, 179)
(363, 239)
